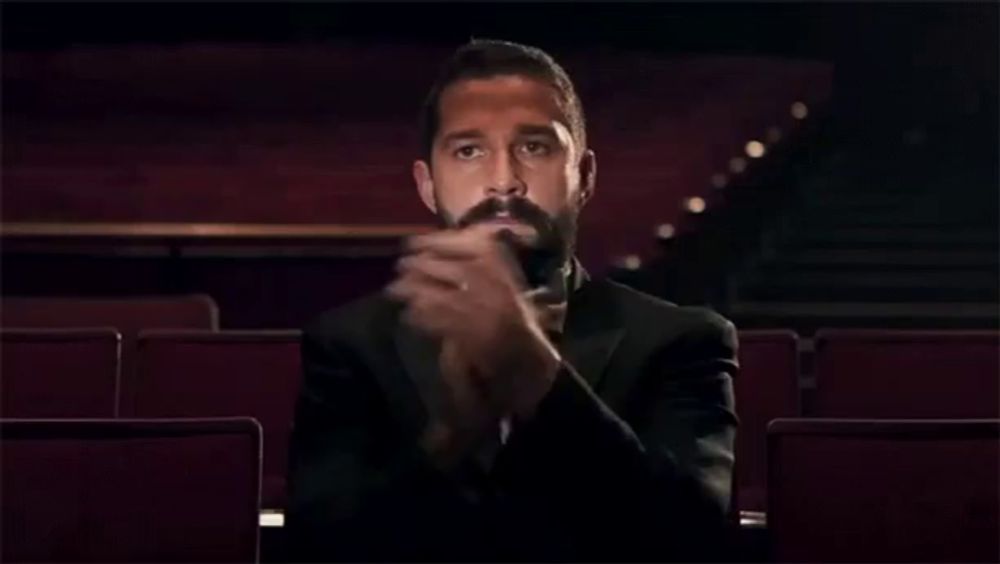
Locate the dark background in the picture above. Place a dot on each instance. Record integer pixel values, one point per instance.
(897, 56)
(901, 70)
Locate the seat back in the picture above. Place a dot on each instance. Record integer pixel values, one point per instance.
(228, 373)
(884, 491)
(907, 374)
(129, 315)
(766, 388)
(59, 373)
(130, 490)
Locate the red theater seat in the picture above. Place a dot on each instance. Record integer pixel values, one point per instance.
(59, 372)
(130, 491)
(767, 388)
(907, 374)
(230, 373)
(884, 491)
(128, 315)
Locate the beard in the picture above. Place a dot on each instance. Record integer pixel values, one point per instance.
(547, 252)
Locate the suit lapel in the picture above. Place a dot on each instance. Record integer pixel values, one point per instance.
(592, 333)
(419, 357)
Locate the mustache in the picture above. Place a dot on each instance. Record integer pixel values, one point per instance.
(519, 209)
(538, 258)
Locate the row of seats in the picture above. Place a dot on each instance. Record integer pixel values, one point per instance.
(187, 490)
(76, 373)
(195, 373)
(130, 490)
(847, 490)
(877, 374)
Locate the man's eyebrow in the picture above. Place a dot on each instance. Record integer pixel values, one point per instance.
(528, 129)
(464, 134)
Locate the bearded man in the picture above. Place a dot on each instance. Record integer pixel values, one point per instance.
(494, 402)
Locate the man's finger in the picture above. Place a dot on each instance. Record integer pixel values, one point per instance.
(431, 310)
(470, 242)
(412, 284)
(449, 273)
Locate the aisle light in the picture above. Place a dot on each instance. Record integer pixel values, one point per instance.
(695, 205)
(773, 134)
(800, 110)
(631, 262)
(665, 231)
(719, 180)
(755, 149)
(737, 164)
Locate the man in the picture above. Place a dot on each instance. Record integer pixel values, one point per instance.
(493, 403)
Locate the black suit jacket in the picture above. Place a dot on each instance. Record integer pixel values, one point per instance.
(629, 456)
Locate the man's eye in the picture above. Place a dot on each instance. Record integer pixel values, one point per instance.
(535, 148)
(468, 152)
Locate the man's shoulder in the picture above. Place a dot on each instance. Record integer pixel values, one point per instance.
(638, 308)
(652, 323)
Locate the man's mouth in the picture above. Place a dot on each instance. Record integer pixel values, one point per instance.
(504, 220)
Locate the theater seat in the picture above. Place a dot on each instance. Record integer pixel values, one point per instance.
(50, 373)
(227, 373)
(907, 374)
(129, 315)
(884, 491)
(767, 388)
(130, 491)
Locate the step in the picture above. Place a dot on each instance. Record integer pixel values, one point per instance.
(805, 293)
(893, 258)
(846, 244)
(879, 279)
(806, 318)
(964, 310)
(904, 235)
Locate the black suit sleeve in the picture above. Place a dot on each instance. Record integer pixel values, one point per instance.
(359, 489)
(656, 488)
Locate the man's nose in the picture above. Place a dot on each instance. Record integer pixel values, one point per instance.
(505, 178)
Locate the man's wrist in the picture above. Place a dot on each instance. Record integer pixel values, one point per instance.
(544, 371)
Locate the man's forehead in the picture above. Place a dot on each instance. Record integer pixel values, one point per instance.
(514, 98)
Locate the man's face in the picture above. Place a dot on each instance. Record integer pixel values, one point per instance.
(504, 155)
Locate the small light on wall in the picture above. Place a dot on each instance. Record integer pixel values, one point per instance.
(630, 262)
(719, 181)
(800, 110)
(695, 205)
(773, 134)
(665, 231)
(737, 164)
(755, 149)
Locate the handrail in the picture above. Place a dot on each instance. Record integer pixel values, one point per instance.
(206, 231)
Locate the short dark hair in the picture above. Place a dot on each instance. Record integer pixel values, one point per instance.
(485, 58)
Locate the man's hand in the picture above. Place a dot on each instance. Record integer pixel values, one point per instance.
(465, 288)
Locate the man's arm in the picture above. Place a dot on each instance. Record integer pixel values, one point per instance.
(657, 489)
(359, 489)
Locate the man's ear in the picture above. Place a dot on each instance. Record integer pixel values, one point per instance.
(425, 184)
(588, 177)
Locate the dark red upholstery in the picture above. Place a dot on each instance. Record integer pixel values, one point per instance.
(130, 491)
(884, 491)
(59, 372)
(767, 388)
(128, 315)
(907, 374)
(229, 373)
